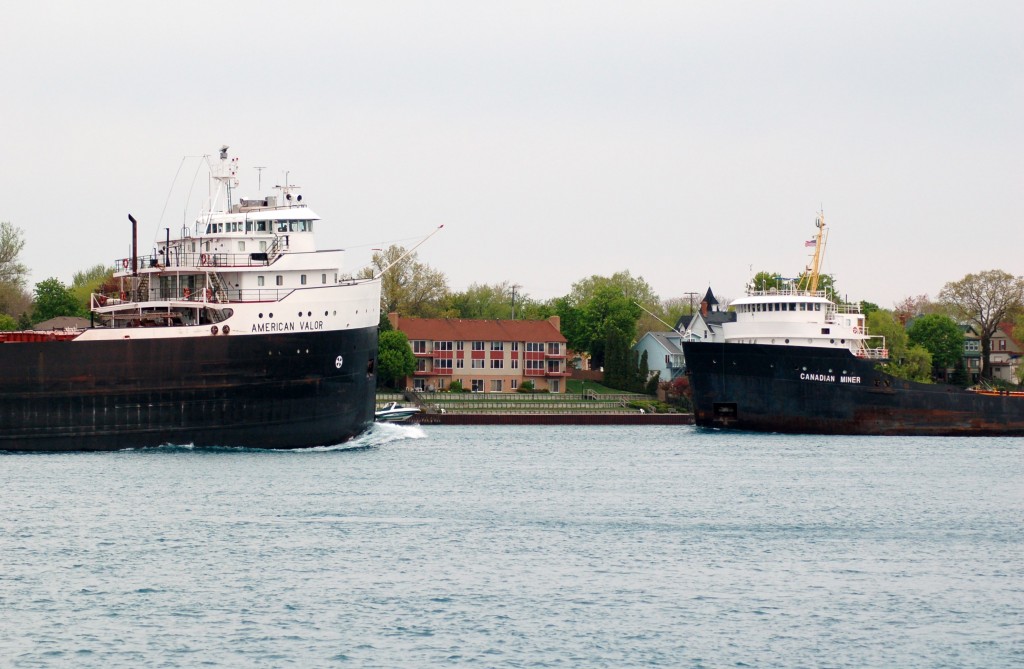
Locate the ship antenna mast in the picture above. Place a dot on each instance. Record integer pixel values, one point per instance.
(227, 175)
(819, 253)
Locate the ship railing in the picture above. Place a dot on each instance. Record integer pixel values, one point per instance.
(200, 295)
(197, 259)
(872, 353)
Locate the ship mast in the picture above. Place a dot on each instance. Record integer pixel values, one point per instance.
(813, 271)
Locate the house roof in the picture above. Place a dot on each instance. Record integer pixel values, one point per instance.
(667, 340)
(709, 297)
(62, 322)
(712, 318)
(468, 329)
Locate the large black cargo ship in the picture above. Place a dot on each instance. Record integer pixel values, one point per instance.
(239, 332)
(817, 390)
(795, 360)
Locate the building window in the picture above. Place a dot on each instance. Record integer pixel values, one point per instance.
(534, 347)
(421, 365)
(442, 363)
(279, 280)
(259, 280)
(419, 384)
(478, 346)
(302, 279)
(553, 348)
(515, 346)
(419, 346)
(496, 385)
(442, 346)
(535, 364)
(460, 363)
(514, 384)
(478, 364)
(497, 363)
(514, 363)
(477, 385)
(458, 345)
(497, 346)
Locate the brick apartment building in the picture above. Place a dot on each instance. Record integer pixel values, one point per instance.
(490, 356)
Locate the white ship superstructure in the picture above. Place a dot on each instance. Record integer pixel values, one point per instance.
(801, 315)
(251, 267)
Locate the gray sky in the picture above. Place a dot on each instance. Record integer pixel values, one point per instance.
(686, 142)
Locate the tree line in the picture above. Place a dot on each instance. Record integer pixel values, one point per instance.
(601, 316)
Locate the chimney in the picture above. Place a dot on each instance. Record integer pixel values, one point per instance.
(557, 322)
(704, 308)
(393, 318)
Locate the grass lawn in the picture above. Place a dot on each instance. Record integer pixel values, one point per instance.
(575, 386)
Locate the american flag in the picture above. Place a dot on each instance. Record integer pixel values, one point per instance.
(811, 242)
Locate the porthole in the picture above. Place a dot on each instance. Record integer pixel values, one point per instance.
(309, 314)
(270, 315)
(261, 314)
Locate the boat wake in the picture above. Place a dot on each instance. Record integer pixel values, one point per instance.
(379, 434)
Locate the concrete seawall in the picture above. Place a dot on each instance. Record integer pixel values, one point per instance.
(554, 419)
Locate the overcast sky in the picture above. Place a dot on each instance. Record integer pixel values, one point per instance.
(690, 143)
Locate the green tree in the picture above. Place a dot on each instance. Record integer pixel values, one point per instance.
(14, 300)
(985, 299)
(8, 323)
(494, 301)
(868, 308)
(940, 336)
(906, 361)
(54, 299)
(88, 281)
(616, 354)
(915, 364)
(395, 360)
(11, 243)
(408, 286)
(599, 304)
(764, 280)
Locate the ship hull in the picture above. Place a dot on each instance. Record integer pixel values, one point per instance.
(282, 390)
(810, 390)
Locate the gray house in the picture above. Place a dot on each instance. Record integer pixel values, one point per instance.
(664, 353)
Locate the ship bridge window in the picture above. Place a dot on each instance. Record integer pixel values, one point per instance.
(282, 226)
(261, 226)
(293, 226)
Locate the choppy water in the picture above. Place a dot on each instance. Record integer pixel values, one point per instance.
(519, 547)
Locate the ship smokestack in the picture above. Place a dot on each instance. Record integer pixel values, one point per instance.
(135, 244)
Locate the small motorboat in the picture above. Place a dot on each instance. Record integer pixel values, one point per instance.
(393, 412)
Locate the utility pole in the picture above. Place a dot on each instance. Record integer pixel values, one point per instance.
(692, 295)
(514, 287)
